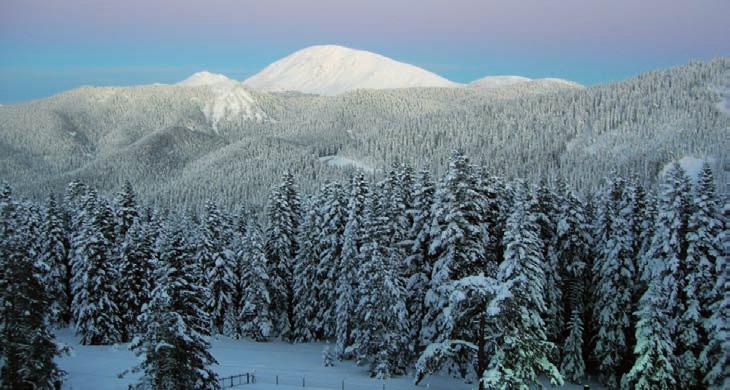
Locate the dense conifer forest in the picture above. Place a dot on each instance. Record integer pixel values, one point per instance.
(497, 281)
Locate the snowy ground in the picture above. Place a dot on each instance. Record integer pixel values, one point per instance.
(97, 367)
(340, 162)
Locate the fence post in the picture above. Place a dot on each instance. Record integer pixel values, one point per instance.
(343, 384)
(277, 380)
(247, 381)
(303, 383)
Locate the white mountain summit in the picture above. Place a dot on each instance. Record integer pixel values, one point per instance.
(205, 78)
(331, 70)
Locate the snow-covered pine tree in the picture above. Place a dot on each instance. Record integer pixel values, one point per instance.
(173, 347)
(127, 211)
(522, 351)
(639, 209)
(306, 284)
(79, 216)
(573, 248)
(106, 223)
(458, 240)
(496, 210)
(704, 249)
(73, 200)
(218, 264)
(55, 254)
(254, 317)
(715, 357)
(380, 335)
(347, 265)
(284, 214)
(95, 280)
(334, 218)
(647, 215)
(661, 305)
(240, 220)
(655, 366)
(469, 327)
(27, 347)
(137, 258)
(397, 201)
(418, 262)
(545, 211)
(614, 275)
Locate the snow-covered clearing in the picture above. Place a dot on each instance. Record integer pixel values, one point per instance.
(341, 162)
(97, 367)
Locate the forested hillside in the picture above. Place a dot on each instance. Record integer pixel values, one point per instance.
(183, 144)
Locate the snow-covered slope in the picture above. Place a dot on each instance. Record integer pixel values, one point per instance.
(491, 82)
(331, 70)
(230, 98)
(498, 81)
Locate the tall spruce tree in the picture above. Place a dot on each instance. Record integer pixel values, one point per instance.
(380, 336)
(334, 219)
(573, 249)
(661, 305)
(715, 357)
(218, 268)
(137, 258)
(127, 210)
(418, 262)
(284, 214)
(55, 254)
(254, 317)
(545, 211)
(173, 348)
(704, 249)
(306, 283)
(96, 313)
(347, 265)
(27, 347)
(458, 239)
(522, 350)
(614, 274)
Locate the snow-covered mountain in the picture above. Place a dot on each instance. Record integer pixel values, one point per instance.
(205, 78)
(331, 70)
(230, 98)
(490, 82)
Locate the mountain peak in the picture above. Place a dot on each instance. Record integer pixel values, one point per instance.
(204, 78)
(334, 69)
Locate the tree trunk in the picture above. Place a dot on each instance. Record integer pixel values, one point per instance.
(481, 358)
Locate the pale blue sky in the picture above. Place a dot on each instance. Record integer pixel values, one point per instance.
(47, 46)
